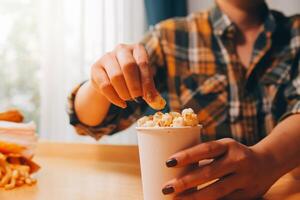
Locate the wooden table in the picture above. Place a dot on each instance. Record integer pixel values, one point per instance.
(102, 172)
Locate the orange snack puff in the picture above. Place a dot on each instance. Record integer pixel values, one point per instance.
(6, 147)
(12, 116)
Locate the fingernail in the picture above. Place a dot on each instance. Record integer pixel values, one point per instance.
(150, 96)
(123, 105)
(171, 162)
(138, 99)
(168, 189)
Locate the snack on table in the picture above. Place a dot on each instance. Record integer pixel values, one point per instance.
(17, 143)
(18, 138)
(11, 116)
(6, 147)
(171, 119)
(15, 171)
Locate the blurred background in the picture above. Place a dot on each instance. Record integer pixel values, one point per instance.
(48, 46)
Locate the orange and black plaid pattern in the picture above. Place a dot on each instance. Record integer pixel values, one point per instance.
(196, 66)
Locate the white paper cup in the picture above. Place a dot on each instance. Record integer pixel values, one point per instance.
(156, 145)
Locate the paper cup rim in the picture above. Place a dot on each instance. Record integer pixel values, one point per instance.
(167, 128)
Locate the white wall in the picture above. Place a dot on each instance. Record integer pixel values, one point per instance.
(197, 5)
(289, 7)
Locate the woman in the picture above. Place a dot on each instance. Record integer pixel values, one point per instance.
(237, 65)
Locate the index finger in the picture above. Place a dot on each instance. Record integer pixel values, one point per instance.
(208, 150)
(150, 94)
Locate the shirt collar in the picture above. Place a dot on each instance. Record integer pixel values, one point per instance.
(222, 24)
(220, 21)
(270, 22)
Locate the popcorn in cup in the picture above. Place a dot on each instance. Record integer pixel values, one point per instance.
(159, 137)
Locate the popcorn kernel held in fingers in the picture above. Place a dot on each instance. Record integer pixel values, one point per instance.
(157, 102)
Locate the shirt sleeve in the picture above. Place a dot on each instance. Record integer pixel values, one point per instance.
(152, 43)
(292, 92)
(119, 119)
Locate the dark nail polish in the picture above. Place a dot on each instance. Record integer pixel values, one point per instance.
(168, 190)
(138, 99)
(171, 162)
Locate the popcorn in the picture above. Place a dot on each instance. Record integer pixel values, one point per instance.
(178, 122)
(157, 117)
(166, 120)
(157, 102)
(149, 123)
(187, 111)
(143, 120)
(190, 118)
(191, 121)
(171, 119)
(175, 114)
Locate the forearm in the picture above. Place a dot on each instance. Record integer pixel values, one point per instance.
(90, 106)
(283, 144)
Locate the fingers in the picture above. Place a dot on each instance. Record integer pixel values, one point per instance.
(217, 169)
(130, 70)
(214, 191)
(115, 74)
(141, 57)
(127, 76)
(150, 94)
(102, 82)
(197, 153)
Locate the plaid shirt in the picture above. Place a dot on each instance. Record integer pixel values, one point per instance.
(196, 66)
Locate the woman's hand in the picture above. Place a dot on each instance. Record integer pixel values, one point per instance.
(124, 74)
(118, 76)
(242, 172)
